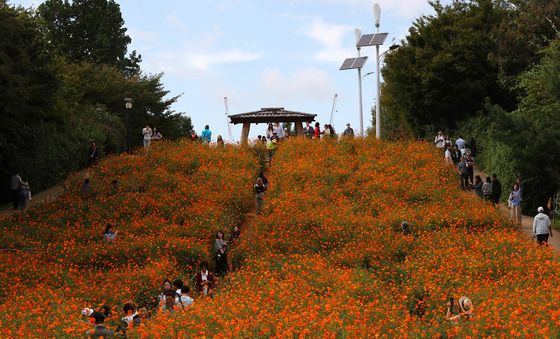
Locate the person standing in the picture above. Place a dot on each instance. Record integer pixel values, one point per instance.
(470, 167)
(447, 156)
(478, 186)
(496, 189)
(308, 130)
(220, 142)
(514, 201)
(317, 131)
(92, 154)
(542, 227)
(220, 250)
(15, 185)
(206, 135)
(24, 194)
(463, 173)
(348, 132)
(439, 140)
(460, 143)
(260, 188)
(156, 135)
(487, 189)
(147, 133)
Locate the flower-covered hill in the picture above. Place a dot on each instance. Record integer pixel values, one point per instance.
(328, 257)
(166, 206)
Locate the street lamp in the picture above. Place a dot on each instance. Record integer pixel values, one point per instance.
(128, 104)
(358, 34)
(377, 18)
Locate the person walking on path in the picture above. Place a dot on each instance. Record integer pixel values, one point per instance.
(463, 173)
(24, 194)
(206, 135)
(487, 189)
(439, 140)
(496, 189)
(514, 202)
(15, 185)
(542, 227)
(260, 188)
(147, 133)
(92, 154)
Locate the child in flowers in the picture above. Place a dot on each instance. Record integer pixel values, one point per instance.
(457, 309)
(110, 235)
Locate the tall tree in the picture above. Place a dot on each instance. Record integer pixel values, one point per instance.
(88, 30)
(442, 73)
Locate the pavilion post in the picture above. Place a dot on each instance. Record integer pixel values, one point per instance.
(245, 133)
(299, 128)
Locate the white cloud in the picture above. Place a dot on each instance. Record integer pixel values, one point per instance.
(331, 37)
(304, 84)
(406, 8)
(202, 61)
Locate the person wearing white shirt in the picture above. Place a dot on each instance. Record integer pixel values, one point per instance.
(147, 133)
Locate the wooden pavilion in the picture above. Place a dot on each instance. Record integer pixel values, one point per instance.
(268, 115)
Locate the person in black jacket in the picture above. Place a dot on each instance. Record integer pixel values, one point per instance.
(496, 189)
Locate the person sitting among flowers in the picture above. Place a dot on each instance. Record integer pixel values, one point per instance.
(98, 318)
(461, 308)
(110, 235)
(204, 280)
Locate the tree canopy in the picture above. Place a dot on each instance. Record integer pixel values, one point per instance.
(64, 74)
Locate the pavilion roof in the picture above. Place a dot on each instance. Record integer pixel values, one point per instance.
(271, 114)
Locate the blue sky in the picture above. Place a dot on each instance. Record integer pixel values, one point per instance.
(261, 53)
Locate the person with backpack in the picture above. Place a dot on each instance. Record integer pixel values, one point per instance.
(496, 189)
(514, 202)
(542, 228)
(487, 189)
(463, 173)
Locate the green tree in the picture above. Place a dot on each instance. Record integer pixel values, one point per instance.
(88, 30)
(442, 73)
(27, 85)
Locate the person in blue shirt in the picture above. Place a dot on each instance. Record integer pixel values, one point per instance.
(206, 135)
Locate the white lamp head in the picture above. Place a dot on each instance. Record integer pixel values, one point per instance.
(358, 34)
(376, 14)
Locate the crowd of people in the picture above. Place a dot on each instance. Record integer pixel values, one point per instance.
(461, 155)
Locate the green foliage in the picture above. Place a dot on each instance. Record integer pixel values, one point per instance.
(64, 76)
(442, 74)
(88, 30)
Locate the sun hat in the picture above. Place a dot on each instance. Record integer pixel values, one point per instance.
(540, 209)
(465, 304)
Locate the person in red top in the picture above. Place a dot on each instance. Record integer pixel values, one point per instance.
(204, 280)
(317, 131)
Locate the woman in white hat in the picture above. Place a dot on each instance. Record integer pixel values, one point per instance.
(461, 308)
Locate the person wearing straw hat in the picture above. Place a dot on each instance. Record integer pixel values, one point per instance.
(542, 227)
(461, 308)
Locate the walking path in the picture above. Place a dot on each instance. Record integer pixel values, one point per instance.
(41, 197)
(527, 221)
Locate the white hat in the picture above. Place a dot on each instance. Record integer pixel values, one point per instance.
(540, 209)
(87, 311)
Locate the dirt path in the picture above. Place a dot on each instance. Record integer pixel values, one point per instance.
(526, 222)
(41, 197)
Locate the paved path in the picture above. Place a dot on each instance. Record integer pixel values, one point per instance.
(41, 197)
(527, 221)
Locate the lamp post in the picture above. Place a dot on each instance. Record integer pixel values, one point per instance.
(377, 17)
(128, 104)
(358, 33)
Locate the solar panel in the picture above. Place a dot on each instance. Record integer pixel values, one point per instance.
(353, 63)
(372, 39)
